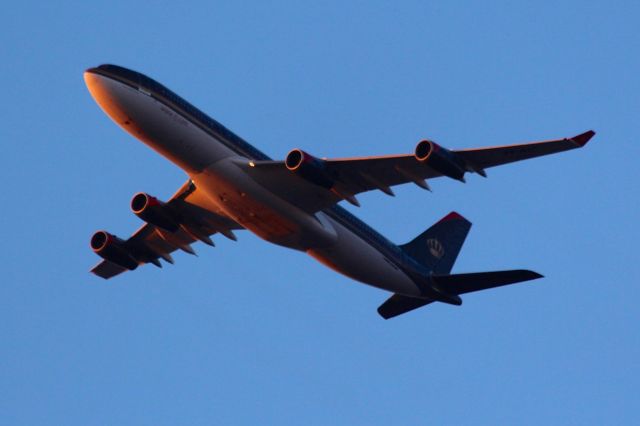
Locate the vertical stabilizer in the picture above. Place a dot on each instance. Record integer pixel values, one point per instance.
(437, 248)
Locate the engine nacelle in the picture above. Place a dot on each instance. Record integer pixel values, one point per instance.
(154, 211)
(113, 249)
(440, 159)
(309, 167)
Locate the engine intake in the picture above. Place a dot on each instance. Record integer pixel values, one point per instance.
(113, 249)
(154, 211)
(309, 168)
(440, 159)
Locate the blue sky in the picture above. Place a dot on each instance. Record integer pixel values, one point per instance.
(250, 333)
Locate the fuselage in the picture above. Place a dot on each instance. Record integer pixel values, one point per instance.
(218, 161)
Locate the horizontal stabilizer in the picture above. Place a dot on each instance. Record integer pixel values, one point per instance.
(455, 284)
(467, 283)
(399, 304)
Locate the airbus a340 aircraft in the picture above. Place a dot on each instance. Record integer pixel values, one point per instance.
(294, 202)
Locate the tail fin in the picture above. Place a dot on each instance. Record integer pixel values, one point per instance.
(437, 248)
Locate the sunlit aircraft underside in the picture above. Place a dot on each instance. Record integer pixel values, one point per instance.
(293, 202)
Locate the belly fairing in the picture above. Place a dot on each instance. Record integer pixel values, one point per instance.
(261, 211)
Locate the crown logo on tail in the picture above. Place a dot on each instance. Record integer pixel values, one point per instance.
(435, 248)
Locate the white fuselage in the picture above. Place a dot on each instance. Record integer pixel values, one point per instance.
(221, 173)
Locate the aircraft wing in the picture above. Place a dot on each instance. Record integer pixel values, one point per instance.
(320, 183)
(151, 243)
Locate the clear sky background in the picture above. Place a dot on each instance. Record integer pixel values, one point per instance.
(251, 333)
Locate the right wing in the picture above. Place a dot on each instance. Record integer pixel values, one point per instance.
(150, 243)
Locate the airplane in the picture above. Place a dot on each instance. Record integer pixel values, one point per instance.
(293, 202)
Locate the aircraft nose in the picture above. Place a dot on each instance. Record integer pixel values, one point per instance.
(93, 81)
(106, 92)
(93, 71)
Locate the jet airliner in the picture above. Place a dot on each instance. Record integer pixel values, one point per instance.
(294, 202)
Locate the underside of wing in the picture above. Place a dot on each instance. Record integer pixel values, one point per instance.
(186, 218)
(315, 183)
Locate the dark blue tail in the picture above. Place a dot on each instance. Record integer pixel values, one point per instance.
(437, 248)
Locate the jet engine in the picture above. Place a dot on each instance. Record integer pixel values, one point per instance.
(440, 159)
(154, 211)
(113, 249)
(309, 167)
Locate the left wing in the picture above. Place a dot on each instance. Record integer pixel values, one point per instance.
(314, 184)
(195, 220)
